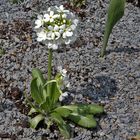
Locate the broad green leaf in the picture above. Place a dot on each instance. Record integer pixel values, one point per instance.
(36, 73)
(115, 13)
(64, 112)
(34, 122)
(35, 92)
(86, 121)
(32, 110)
(85, 109)
(63, 127)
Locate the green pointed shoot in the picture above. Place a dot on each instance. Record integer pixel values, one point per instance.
(115, 13)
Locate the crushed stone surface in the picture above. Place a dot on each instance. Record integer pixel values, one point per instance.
(113, 81)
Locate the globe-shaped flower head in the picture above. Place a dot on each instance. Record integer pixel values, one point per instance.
(57, 26)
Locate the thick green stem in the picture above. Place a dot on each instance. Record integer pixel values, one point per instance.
(49, 68)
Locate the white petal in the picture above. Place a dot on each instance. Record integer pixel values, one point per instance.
(41, 36)
(64, 16)
(53, 36)
(65, 94)
(51, 19)
(64, 71)
(68, 85)
(39, 17)
(38, 23)
(46, 17)
(49, 9)
(61, 31)
(57, 34)
(51, 13)
(50, 27)
(67, 41)
(54, 47)
(75, 21)
(73, 27)
(56, 16)
(64, 35)
(61, 7)
(69, 33)
(63, 26)
(56, 27)
(39, 39)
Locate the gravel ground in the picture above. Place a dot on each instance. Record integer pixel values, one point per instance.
(113, 81)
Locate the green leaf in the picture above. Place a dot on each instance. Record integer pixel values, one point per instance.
(46, 105)
(54, 90)
(65, 130)
(64, 112)
(37, 74)
(63, 127)
(85, 109)
(34, 122)
(86, 121)
(115, 13)
(95, 109)
(36, 92)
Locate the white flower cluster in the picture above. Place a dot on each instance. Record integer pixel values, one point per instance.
(56, 26)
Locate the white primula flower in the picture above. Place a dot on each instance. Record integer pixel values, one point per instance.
(41, 36)
(50, 17)
(39, 22)
(63, 96)
(53, 34)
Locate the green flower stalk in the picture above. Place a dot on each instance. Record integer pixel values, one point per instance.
(49, 68)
